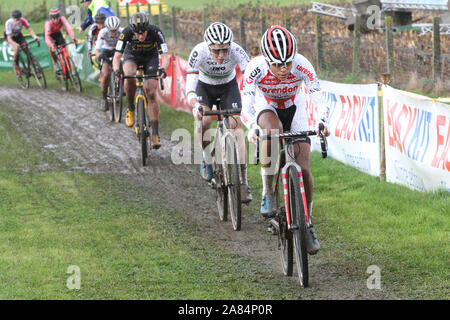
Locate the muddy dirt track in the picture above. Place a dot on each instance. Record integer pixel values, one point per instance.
(71, 127)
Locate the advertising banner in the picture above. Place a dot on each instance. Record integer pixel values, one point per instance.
(417, 141)
(353, 124)
(86, 70)
(41, 53)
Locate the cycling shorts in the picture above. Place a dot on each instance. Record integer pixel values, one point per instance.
(106, 54)
(228, 93)
(58, 38)
(293, 119)
(150, 63)
(19, 39)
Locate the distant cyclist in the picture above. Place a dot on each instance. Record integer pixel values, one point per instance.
(52, 32)
(211, 75)
(13, 34)
(94, 30)
(141, 43)
(272, 95)
(93, 7)
(105, 49)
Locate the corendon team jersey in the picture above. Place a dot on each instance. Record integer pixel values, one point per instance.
(260, 82)
(12, 29)
(203, 67)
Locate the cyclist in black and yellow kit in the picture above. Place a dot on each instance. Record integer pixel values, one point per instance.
(141, 44)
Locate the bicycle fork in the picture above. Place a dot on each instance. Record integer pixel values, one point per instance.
(286, 196)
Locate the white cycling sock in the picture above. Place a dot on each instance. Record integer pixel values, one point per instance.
(267, 181)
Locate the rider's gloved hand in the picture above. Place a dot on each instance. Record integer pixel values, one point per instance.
(325, 131)
(162, 73)
(251, 135)
(116, 74)
(195, 109)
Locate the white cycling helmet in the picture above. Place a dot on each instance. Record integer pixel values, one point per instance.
(112, 23)
(218, 33)
(278, 45)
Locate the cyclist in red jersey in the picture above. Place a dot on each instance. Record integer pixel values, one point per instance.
(52, 32)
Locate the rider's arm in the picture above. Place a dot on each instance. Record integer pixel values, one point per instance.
(312, 84)
(117, 60)
(87, 22)
(68, 28)
(28, 27)
(251, 77)
(47, 38)
(192, 76)
(242, 57)
(100, 42)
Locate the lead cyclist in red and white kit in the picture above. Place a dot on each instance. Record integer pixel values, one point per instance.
(272, 94)
(211, 75)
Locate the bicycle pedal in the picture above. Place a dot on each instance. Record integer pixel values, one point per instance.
(212, 183)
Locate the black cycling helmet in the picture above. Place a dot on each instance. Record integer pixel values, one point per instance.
(139, 22)
(16, 14)
(100, 17)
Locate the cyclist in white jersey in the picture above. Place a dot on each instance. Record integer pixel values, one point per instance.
(104, 51)
(13, 34)
(211, 75)
(272, 94)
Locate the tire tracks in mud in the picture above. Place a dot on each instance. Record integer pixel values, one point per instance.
(79, 135)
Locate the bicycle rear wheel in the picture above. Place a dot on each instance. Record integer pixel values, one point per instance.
(73, 75)
(38, 72)
(22, 76)
(142, 131)
(297, 216)
(233, 182)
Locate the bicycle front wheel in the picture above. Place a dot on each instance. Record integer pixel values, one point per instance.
(142, 131)
(73, 75)
(60, 76)
(221, 188)
(22, 74)
(38, 72)
(233, 182)
(117, 100)
(298, 223)
(110, 100)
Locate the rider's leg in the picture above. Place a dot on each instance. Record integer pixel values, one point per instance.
(106, 78)
(129, 69)
(269, 123)
(150, 87)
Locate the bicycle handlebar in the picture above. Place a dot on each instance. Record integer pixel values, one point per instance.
(293, 135)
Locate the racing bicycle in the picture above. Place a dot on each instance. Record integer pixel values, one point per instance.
(29, 66)
(226, 169)
(66, 70)
(291, 218)
(142, 127)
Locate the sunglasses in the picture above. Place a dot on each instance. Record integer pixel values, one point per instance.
(218, 51)
(279, 65)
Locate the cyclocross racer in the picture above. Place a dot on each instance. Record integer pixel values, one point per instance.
(13, 34)
(272, 93)
(52, 32)
(94, 7)
(105, 49)
(211, 75)
(141, 43)
(93, 32)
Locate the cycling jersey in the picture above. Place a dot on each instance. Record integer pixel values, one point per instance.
(94, 30)
(154, 43)
(106, 41)
(53, 30)
(202, 67)
(12, 29)
(263, 91)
